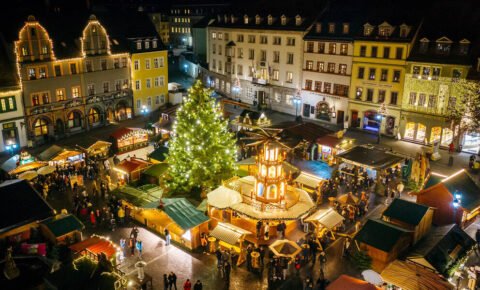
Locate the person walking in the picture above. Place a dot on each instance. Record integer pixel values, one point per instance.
(346, 246)
(167, 237)
(187, 285)
(166, 284)
(170, 281)
(174, 281)
(323, 261)
(139, 246)
(266, 231)
(198, 285)
(227, 273)
(131, 245)
(121, 215)
(259, 229)
(93, 219)
(204, 242)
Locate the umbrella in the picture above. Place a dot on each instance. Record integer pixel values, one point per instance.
(28, 175)
(372, 277)
(46, 170)
(285, 248)
(347, 198)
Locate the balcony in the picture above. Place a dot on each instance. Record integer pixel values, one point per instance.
(259, 81)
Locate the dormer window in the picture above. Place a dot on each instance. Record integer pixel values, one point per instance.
(385, 29)
(284, 20)
(154, 43)
(443, 46)
(257, 19)
(245, 19)
(318, 27)
(346, 28)
(404, 30)
(424, 45)
(139, 45)
(298, 20)
(463, 48)
(367, 29)
(331, 27)
(147, 44)
(270, 20)
(232, 19)
(225, 18)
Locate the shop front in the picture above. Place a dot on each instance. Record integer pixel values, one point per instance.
(128, 139)
(471, 142)
(425, 129)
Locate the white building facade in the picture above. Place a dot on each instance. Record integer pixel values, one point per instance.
(257, 59)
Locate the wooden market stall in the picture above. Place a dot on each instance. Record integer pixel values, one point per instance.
(309, 182)
(94, 148)
(231, 237)
(325, 221)
(95, 246)
(158, 155)
(130, 169)
(348, 282)
(164, 126)
(154, 174)
(406, 275)
(250, 120)
(62, 229)
(329, 146)
(56, 155)
(184, 222)
(128, 139)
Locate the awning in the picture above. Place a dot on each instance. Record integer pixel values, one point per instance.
(328, 218)
(66, 154)
(409, 276)
(309, 180)
(228, 233)
(223, 197)
(26, 167)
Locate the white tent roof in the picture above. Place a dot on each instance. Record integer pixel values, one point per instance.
(308, 180)
(228, 233)
(223, 197)
(328, 218)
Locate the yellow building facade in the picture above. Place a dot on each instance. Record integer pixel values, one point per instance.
(378, 72)
(149, 78)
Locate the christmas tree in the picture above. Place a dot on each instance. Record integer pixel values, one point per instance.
(202, 150)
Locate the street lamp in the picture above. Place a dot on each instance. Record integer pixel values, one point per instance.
(382, 111)
(297, 100)
(144, 110)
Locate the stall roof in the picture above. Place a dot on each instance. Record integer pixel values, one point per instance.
(348, 282)
(27, 166)
(309, 180)
(440, 247)
(223, 197)
(328, 218)
(374, 229)
(329, 141)
(406, 211)
(306, 131)
(228, 233)
(132, 164)
(137, 197)
(463, 183)
(65, 154)
(95, 245)
(159, 154)
(156, 170)
(370, 157)
(50, 153)
(89, 143)
(63, 224)
(410, 276)
(10, 164)
(120, 132)
(27, 204)
(182, 212)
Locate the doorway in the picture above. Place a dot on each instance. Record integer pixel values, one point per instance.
(340, 116)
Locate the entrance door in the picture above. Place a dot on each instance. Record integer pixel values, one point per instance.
(355, 120)
(340, 116)
(306, 110)
(390, 125)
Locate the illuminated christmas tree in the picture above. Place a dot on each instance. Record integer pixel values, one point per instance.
(202, 151)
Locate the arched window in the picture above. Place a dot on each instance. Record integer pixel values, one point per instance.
(260, 190)
(93, 116)
(421, 132)
(74, 120)
(272, 192)
(264, 170)
(271, 172)
(40, 127)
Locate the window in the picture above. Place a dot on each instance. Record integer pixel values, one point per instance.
(277, 40)
(309, 65)
(220, 66)
(136, 65)
(331, 28)
(118, 85)
(289, 100)
(278, 97)
(40, 127)
(456, 74)
(342, 69)
(435, 73)
(214, 35)
(149, 101)
(251, 54)
(443, 48)
(308, 85)
(60, 95)
(289, 58)
(318, 86)
(412, 100)
(42, 72)
(263, 55)
(396, 76)
(361, 72)
(220, 36)
(374, 51)
(320, 66)
(240, 52)
(219, 50)
(425, 72)
(290, 41)
(24, 51)
(384, 75)
(162, 99)
(421, 100)
(106, 87)
(371, 74)
(358, 93)
(343, 49)
(58, 70)
(91, 89)
(227, 37)
(240, 38)
(36, 100)
(276, 75)
(463, 49)
(126, 84)
(32, 75)
(283, 20)
(139, 103)
(276, 56)
(345, 28)
(155, 81)
(381, 96)
(103, 64)
(386, 52)
(310, 45)
(332, 48)
(331, 67)
(240, 69)
(74, 120)
(7, 104)
(139, 45)
(250, 72)
(75, 92)
(137, 85)
(155, 62)
(157, 100)
(88, 65)
(154, 43)
(363, 50)
(161, 81)
(93, 116)
(289, 77)
(116, 63)
(251, 39)
(393, 98)
(321, 47)
(432, 101)
(263, 39)
(452, 102)
(424, 46)
(399, 53)
(340, 90)
(327, 87)
(369, 95)
(416, 71)
(147, 64)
